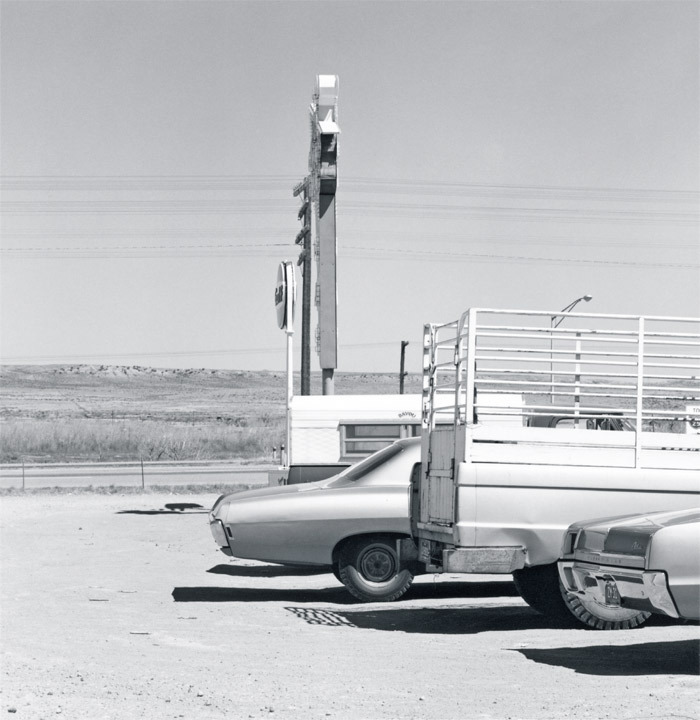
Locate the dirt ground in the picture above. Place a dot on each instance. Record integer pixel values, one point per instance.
(122, 607)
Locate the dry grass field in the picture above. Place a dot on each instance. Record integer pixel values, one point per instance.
(106, 413)
(99, 413)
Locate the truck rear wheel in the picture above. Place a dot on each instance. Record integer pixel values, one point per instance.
(371, 571)
(542, 590)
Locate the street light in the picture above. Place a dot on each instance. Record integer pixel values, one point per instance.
(554, 322)
(562, 314)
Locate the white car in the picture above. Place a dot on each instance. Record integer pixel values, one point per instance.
(648, 563)
(356, 523)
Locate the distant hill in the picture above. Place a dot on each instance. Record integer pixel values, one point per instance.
(99, 412)
(112, 391)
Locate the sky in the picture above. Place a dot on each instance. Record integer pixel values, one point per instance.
(492, 154)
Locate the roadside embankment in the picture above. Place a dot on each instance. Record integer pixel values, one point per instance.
(132, 475)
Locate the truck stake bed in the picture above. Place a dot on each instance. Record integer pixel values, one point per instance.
(497, 497)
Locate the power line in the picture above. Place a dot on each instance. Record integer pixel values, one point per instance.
(402, 236)
(225, 250)
(244, 207)
(112, 248)
(450, 256)
(369, 184)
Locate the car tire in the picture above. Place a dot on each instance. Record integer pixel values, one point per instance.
(597, 616)
(542, 590)
(371, 570)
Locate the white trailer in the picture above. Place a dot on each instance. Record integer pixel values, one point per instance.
(329, 432)
(346, 428)
(496, 499)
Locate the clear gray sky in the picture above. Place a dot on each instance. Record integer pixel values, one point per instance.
(493, 154)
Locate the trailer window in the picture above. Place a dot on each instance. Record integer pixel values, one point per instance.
(357, 441)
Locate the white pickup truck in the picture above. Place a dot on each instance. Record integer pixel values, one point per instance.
(498, 498)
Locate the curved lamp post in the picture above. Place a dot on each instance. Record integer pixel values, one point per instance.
(562, 313)
(554, 322)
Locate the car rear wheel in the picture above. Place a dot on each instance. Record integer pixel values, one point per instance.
(542, 590)
(371, 570)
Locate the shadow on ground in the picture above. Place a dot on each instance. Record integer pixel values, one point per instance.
(336, 593)
(646, 658)
(264, 571)
(432, 621)
(460, 620)
(679, 657)
(170, 509)
(218, 594)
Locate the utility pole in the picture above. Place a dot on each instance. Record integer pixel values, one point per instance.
(402, 373)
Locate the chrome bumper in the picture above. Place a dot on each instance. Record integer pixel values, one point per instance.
(618, 587)
(218, 532)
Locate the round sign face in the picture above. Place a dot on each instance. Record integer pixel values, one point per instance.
(284, 295)
(281, 296)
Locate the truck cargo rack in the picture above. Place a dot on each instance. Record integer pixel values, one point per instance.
(521, 386)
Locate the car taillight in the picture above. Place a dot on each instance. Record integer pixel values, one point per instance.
(570, 542)
(627, 541)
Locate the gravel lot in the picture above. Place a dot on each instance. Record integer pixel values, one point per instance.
(117, 606)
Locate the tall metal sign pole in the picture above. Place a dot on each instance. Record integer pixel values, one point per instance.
(285, 298)
(324, 152)
(319, 190)
(305, 262)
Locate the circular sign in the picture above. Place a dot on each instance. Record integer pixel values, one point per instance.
(285, 292)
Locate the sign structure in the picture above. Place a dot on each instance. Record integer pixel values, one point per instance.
(318, 216)
(285, 299)
(692, 423)
(285, 296)
(323, 165)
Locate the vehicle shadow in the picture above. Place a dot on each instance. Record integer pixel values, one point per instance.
(337, 595)
(432, 621)
(456, 589)
(458, 621)
(675, 657)
(419, 591)
(170, 509)
(264, 571)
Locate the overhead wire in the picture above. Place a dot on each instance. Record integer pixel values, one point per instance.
(412, 209)
(361, 184)
(404, 236)
(375, 209)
